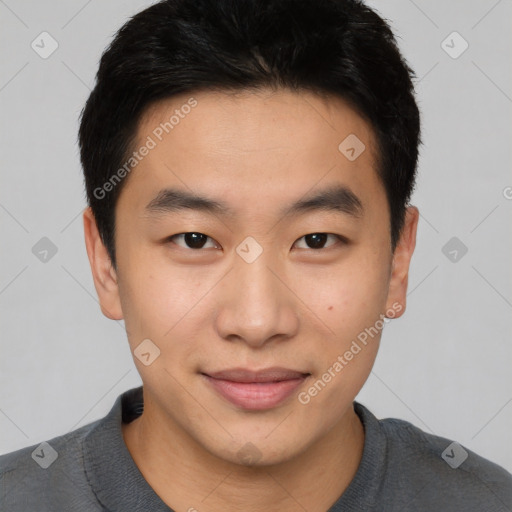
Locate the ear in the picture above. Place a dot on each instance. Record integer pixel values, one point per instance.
(103, 273)
(401, 259)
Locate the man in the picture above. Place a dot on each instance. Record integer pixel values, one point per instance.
(248, 168)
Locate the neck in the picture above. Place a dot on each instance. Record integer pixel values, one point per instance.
(189, 478)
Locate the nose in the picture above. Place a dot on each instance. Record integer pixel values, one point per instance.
(257, 305)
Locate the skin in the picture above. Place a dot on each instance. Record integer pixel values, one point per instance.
(208, 309)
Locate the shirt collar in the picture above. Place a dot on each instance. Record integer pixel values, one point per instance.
(112, 473)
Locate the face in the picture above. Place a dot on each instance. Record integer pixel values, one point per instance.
(265, 296)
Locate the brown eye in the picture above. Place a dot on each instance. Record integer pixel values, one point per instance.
(317, 240)
(192, 240)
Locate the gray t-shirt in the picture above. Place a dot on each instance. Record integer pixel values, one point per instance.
(402, 469)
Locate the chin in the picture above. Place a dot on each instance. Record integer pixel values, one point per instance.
(258, 452)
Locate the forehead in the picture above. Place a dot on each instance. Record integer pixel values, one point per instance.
(247, 120)
(258, 146)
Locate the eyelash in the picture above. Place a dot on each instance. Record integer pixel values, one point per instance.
(340, 238)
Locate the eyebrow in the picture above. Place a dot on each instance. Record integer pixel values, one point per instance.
(336, 198)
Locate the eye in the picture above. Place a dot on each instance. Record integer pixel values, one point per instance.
(193, 240)
(317, 240)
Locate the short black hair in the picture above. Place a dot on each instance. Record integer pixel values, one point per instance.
(334, 47)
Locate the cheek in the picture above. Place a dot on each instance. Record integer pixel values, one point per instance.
(347, 297)
(161, 302)
(145, 297)
(350, 303)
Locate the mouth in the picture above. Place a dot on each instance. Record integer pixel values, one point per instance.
(255, 390)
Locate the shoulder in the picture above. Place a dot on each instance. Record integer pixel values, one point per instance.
(428, 469)
(47, 476)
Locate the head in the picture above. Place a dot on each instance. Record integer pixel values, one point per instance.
(283, 138)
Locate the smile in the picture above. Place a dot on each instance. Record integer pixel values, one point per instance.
(258, 390)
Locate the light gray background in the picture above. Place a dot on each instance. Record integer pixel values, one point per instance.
(444, 366)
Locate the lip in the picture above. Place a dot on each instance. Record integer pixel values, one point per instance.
(256, 390)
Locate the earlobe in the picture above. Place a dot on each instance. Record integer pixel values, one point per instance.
(401, 261)
(103, 273)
